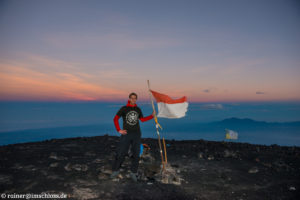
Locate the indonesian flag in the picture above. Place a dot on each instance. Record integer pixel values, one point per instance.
(168, 107)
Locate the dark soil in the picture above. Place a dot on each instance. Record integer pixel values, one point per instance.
(80, 168)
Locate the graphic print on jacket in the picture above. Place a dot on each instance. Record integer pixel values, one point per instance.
(132, 117)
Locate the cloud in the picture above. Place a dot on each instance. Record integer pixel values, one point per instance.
(258, 92)
(19, 82)
(206, 91)
(212, 107)
(51, 63)
(103, 71)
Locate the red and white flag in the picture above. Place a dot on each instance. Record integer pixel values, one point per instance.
(168, 107)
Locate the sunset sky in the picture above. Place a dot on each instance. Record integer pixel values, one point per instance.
(209, 51)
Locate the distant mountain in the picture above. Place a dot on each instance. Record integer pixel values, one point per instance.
(247, 123)
(237, 124)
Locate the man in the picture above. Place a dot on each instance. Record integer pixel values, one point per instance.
(130, 134)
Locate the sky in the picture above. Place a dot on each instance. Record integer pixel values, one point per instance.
(207, 50)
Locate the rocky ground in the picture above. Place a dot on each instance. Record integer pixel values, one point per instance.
(80, 168)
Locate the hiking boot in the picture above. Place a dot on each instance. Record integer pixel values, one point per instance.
(133, 176)
(114, 174)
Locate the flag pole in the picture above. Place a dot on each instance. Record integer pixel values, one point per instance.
(159, 142)
(165, 150)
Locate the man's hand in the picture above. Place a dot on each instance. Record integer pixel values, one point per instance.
(154, 113)
(123, 132)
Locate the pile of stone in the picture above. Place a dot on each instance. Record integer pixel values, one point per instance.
(152, 170)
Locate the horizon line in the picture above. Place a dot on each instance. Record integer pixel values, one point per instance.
(141, 101)
(208, 122)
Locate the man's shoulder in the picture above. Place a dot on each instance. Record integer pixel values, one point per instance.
(130, 108)
(124, 107)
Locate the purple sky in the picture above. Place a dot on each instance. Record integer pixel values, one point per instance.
(209, 51)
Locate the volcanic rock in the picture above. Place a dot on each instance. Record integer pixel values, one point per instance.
(196, 169)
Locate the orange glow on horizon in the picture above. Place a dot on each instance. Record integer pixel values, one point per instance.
(21, 83)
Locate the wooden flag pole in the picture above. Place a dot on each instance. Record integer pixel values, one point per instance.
(165, 149)
(159, 142)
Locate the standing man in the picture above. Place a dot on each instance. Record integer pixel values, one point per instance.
(130, 134)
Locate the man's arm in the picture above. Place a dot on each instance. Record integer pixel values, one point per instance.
(144, 119)
(116, 122)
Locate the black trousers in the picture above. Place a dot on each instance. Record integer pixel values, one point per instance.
(133, 138)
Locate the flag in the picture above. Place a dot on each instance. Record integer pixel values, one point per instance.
(230, 134)
(168, 107)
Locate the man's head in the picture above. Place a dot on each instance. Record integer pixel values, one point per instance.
(132, 98)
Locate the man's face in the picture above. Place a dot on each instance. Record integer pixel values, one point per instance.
(132, 99)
